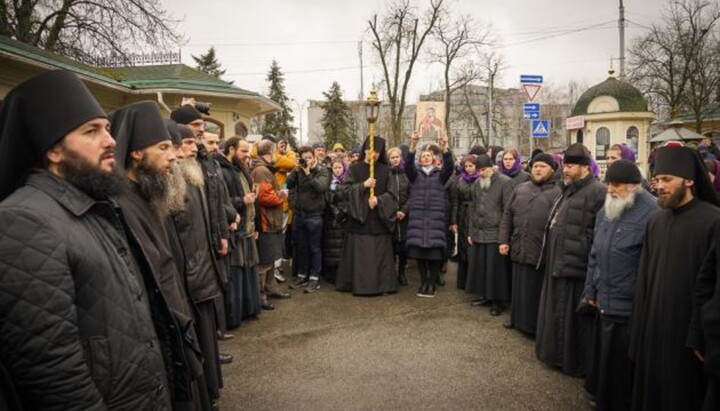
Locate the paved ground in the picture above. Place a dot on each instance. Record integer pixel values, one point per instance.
(333, 351)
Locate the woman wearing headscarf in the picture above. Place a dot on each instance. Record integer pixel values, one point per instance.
(511, 166)
(460, 198)
(333, 226)
(366, 267)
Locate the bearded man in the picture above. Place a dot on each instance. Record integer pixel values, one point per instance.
(76, 323)
(668, 375)
(487, 268)
(521, 237)
(610, 284)
(563, 334)
(145, 155)
(196, 258)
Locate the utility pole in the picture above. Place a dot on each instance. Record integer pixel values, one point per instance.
(491, 86)
(621, 26)
(361, 97)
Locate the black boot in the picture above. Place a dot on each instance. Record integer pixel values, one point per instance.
(402, 280)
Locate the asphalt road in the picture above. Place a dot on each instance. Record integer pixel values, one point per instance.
(333, 351)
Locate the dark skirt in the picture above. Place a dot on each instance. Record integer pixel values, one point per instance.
(487, 272)
(526, 287)
(610, 372)
(431, 254)
(563, 335)
(367, 266)
(269, 247)
(251, 293)
(234, 297)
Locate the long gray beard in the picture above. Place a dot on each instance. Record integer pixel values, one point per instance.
(177, 189)
(485, 183)
(192, 172)
(615, 207)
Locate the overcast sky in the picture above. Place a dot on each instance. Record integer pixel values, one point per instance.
(315, 42)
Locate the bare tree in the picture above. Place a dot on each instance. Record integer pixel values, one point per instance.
(87, 29)
(454, 40)
(475, 81)
(671, 61)
(398, 39)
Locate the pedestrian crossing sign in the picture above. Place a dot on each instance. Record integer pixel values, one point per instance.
(540, 128)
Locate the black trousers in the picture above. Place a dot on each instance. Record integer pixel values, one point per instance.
(429, 270)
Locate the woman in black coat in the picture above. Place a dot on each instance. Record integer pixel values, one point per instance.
(460, 198)
(400, 180)
(334, 219)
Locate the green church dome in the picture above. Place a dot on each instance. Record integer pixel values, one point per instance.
(629, 98)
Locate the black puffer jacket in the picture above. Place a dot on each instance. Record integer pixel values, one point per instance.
(333, 228)
(523, 223)
(75, 327)
(399, 179)
(573, 222)
(216, 195)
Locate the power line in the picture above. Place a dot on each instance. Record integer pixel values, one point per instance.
(560, 34)
(271, 44)
(301, 71)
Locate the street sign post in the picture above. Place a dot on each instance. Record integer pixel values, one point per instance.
(540, 129)
(531, 78)
(531, 111)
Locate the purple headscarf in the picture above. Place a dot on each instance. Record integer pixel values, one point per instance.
(594, 168)
(626, 153)
(558, 160)
(517, 165)
(470, 178)
(344, 174)
(716, 182)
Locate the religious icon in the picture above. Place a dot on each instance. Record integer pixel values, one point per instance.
(428, 120)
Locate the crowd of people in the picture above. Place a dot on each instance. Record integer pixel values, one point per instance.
(132, 244)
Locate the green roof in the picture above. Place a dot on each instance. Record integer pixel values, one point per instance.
(168, 76)
(629, 98)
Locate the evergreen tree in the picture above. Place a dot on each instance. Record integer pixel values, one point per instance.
(208, 63)
(336, 120)
(280, 124)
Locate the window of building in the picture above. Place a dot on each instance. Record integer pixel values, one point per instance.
(632, 137)
(580, 136)
(602, 143)
(455, 140)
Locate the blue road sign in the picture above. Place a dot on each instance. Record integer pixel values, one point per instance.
(527, 107)
(530, 78)
(531, 115)
(540, 129)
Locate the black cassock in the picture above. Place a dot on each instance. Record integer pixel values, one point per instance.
(667, 374)
(367, 266)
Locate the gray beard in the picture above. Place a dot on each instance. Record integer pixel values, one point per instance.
(177, 188)
(615, 207)
(192, 172)
(485, 183)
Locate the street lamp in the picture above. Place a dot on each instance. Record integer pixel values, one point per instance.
(301, 108)
(372, 108)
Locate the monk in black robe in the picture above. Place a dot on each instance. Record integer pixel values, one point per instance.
(367, 266)
(144, 155)
(668, 375)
